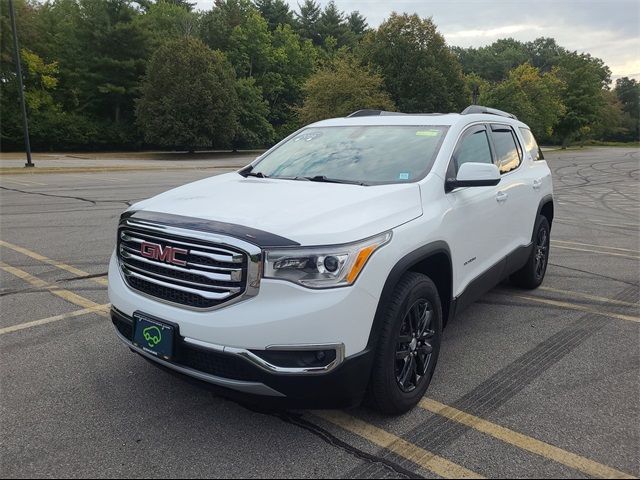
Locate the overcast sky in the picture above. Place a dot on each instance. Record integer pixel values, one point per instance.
(607, 29)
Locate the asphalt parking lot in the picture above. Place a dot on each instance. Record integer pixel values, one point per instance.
(529, 384)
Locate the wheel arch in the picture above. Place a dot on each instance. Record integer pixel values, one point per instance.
(433, 260)
(546, 209)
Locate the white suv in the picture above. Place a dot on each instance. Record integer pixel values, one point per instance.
(324, 272)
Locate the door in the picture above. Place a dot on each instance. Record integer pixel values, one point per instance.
(515, 194)
(473, 219)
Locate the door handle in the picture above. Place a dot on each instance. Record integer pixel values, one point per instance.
(501, 197)
(537, 184)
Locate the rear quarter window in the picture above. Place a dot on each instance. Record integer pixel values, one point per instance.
(530, 144)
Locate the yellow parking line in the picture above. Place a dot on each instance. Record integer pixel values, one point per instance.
(581, 308)
(99, 309)
(597, 246)
(421, 457)
(591, 297)
(55, 263)
(60, 292)
(524, 442)
(601, 252)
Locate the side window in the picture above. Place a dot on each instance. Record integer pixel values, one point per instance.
(508, 152)
(472, 147)
(530, 144)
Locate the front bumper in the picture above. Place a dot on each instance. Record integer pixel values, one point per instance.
(341, 386)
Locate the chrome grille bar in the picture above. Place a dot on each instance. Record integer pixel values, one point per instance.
(192, 269)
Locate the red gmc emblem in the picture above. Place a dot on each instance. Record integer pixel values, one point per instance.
(163, 254)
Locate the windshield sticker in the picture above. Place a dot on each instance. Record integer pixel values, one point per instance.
(427, 133)
(404, 176)
(307, 137)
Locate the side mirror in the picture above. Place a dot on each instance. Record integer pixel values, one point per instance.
(474, 175)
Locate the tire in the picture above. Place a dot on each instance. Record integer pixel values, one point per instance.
(532, 274)
(393, 388)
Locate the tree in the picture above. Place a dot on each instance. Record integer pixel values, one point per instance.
(533, 97)
(308, 21)
(357, 24)
(545, 53)
(332, 24)
(627, 92)
(584, 77)
(250, 50)
(217, 24)
(420, 72)
(254, 129)
(494, 61)
(188, 97)
(275, 12)
(166, 20)
(340, 88)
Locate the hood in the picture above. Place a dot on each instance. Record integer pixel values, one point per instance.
(310, 213)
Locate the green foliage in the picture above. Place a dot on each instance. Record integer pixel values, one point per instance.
(167, 20)
(84, 64)
(275, 12)
(340, 88)
(420, 72)
(308, 20)
(494, 61)
(188, 97)
(583, 77)
(254, 129)
(533, 97)
(627, 92)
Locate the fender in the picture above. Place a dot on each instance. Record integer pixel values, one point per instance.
(545, 200)
(400, 268)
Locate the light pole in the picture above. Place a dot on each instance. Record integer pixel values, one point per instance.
(25, 124)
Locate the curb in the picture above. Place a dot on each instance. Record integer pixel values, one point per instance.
(41, 170)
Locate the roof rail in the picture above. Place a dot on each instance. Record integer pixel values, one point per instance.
(487, 110)
(372, 113)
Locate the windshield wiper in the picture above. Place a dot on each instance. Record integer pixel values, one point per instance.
(323, 178)
(247, 172)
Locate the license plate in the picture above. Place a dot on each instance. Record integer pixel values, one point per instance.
(153, 336)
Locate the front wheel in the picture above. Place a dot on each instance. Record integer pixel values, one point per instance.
(408, 347)
(532, 274)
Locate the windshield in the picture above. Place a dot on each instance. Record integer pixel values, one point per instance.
(361, 154)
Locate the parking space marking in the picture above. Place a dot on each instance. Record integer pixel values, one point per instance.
(601, 252)
(421, 457)
(49, 261)
(99, 309)
(581, 308)
(60, 292)
(590, 297)
(593, 245)
(571, 460)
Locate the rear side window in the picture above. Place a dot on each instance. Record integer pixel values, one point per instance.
(473, 147)
(530, 144)
(508, 153)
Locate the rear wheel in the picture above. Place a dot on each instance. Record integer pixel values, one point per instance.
(408, 346)
(532, 274)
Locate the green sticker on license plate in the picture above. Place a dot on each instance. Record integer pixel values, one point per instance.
(153, 337)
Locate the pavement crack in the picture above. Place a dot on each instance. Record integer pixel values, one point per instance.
(331, 439)
(82, 199)
(83, 277)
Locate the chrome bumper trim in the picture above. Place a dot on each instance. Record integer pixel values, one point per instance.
(259, 362)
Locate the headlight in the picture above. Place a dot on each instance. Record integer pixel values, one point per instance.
(322, 267)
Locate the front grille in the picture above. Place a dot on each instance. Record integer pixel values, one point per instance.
(181, 270)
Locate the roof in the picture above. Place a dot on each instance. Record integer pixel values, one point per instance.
(473, 113)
